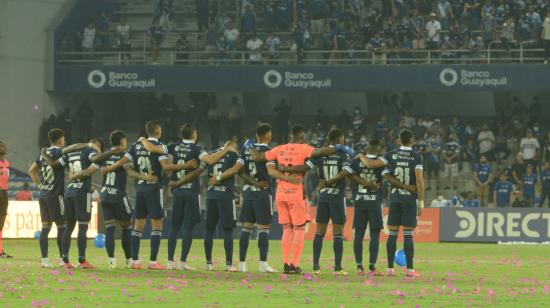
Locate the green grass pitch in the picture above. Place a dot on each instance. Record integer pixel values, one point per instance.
(454, 275)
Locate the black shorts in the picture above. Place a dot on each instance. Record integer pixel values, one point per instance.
(432, 168)
(3, 203)
(402, 214)
(368, 212)
(117, 210)
(78, 207)
(185, 209)
(334, 211)
(51, 209)
(258, 211)
(220, 209)
(149, 204)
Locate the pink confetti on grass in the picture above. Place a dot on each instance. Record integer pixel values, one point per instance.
(450, 274)
(268, 288)
(124, 291)
(545, 290)
(307, 277)
(149, 281)
(399, 302)
(491, 293)
(524, 280)
(54, 272)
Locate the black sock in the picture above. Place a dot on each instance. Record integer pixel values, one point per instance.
(44, 240)
(317, 247)
(338, 247)
(243, 243)
(408, 246)
(263, 243)
(60, 231)
(358, 246)
(391, 246)
(66, 240)
(110, 239)
(173, 241)
(127, 242)
(208, 245)
(136, 240)
(155, 244)
(228, 246)
(82, 240)
(373, 247)
(186, 241)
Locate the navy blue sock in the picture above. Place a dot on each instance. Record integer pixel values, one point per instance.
(243, 243)
(155, 244)
(391, 246)
(338, 247)
(358, 246)
(136, 241)
(208, 245)
(82, 240)
(127, 242)
(317, 247)
(228, 246)
(173, 241)
(60, 231)
(186, 241)
(66, 240)
(374, 247)
(263, 243)
(44, 240)
(110, 239)
(408, 246)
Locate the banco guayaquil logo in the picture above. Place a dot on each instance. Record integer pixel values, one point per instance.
(96, 79)
(273, 79)
(295, 80)
(448, 77)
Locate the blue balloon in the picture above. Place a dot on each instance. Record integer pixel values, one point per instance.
(37, 234)
(400, 258)
(99, 240)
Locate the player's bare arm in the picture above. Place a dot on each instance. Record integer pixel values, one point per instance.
(84, 173)
(420, 189)
(251, 181)
(227, 174)
(276, 174)
(151, 178)
(301, 169)
(33, 173)
(258, 156)
(371, 163)
(367, 184)
(213, 158)
(398, 184)
(79, 146)
(168, 166)
(188, 178)
(101, 157)
(322, 152)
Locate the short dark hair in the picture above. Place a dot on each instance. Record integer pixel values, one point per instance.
(116, 137)
(298, 129)
(187, 131)
(55, 134)
(151, 127)
(334, 134)
(374, 143)
(100, 141)
(263, 129)
(406, 136)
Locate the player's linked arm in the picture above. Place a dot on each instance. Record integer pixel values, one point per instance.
(398, 184)
(121, 162)
(335, 179)
(361, 181)
(101, 157)
(276, 174)
(48, 159)
(140, 176)
(84, 173)
(79, 146)
(227, 174)
(188, 178)
(419, 173)
(213, 158)
(372, 163)
(153, 148)
(251, 181)
(301, 169)
(258, 156)
(168, 166)
(33, 173)
(322, 152)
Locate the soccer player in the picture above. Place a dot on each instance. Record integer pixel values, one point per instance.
(149, 194)
(185, 185)
(4, 178)
(221, 206)
(406, 166)
(256, 207)
(291, 202)
(51, 181)
(502, 191)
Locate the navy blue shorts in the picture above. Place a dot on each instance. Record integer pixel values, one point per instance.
(220, 209)
(334, 211)
(117, 210)
(149, 204)
(402, 214)
(78, 207)
(51, 209)
(185, 209)
(368, 212)
(257, 211)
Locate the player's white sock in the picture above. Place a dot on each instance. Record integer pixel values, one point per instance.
(45, 260)
(152, 262)
(112, 261)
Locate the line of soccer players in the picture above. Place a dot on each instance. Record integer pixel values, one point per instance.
(147, 160)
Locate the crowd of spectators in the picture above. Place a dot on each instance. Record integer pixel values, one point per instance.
(77, 126)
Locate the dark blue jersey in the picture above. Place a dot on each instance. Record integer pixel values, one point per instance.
(545, 178)
(146, 163)
(370, 175)
(403, 163)
(226, 188)
(52, 178)
(529, 182)
(328, 167)
(76, 162)
(114, 182)
(483, 172)
(258, 171)
(504, 190)
(182, 153)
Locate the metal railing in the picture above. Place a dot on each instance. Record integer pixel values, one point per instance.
(310, 57)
